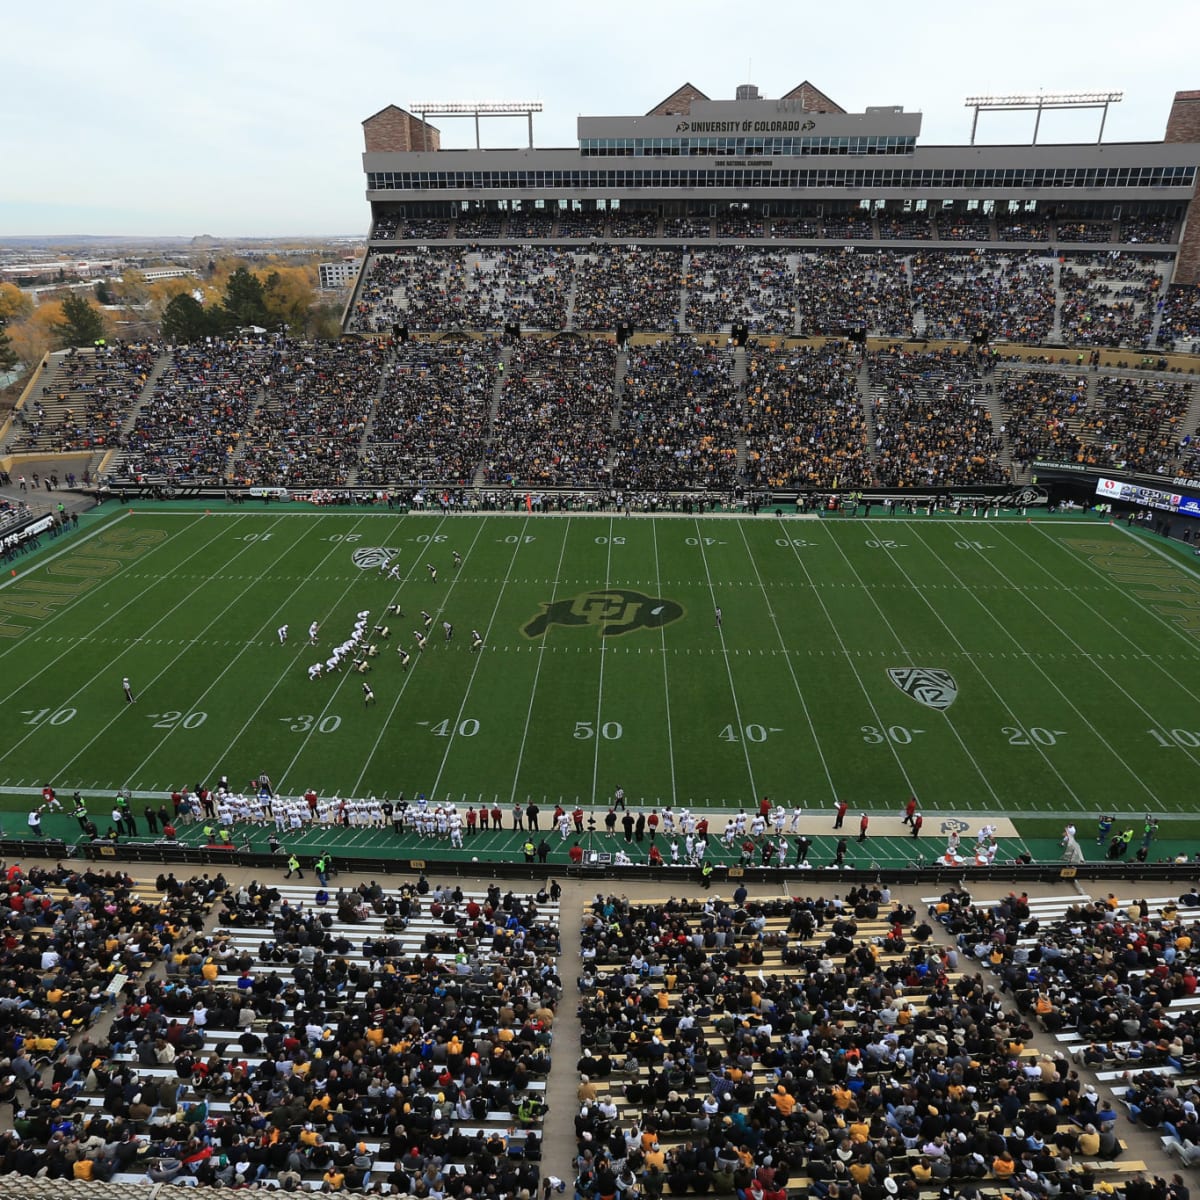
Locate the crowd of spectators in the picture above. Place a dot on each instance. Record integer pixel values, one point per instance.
(532, 223)
(1136, 423)
(553, 427)
(965, 295)
(631, 284)
(932, 422)
(1117, 977)
(849, 226)
(421, 289)
(1179, 326)
(740, 285)
(1109, 300)
(344, 1042)
(1083, 231)
(804, 425)
(87, 399)
(1146, 229)
(964, 227)
(902, 226)
(1043, 411)
(1027, 228)
(527, 286)
(680, 417)
(821, 1045)
(629, 223)
(842, 290)
(431, 418)
(576, 223)
(317, 401)
(189, 428)
(391, 226)
(479, 225)
(687, 227)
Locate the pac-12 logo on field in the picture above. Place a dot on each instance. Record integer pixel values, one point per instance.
(367, 557)
(610, 611)
(930, 686)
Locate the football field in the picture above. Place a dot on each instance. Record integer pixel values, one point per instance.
(984, 666)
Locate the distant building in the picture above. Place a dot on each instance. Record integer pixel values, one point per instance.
(339, 274)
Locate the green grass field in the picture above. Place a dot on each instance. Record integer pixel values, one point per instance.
(1067, 652)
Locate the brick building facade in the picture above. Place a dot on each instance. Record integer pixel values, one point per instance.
(1183, 125)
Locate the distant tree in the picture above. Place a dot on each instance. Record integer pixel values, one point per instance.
(245, 300)
(81, 324)
(288, 294)
(185, 319)
(14, 304)
(8, 355)
(103, 294)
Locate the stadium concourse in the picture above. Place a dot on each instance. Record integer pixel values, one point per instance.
(784, 1041)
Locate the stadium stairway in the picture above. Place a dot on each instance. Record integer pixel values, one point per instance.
(376, 400)
(497, 392)
(739, 382)
(685, 267)
(1055, 334)
(866, 402)
(1001, 433)
(572, 292)
(1191, 422)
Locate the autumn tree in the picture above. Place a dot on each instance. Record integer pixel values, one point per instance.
(185, 319)
(288, 295)
(245, 300)
(81, 324)
(8, 354)
(14, 304)
(34, 335)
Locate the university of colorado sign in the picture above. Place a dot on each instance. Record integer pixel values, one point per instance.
(745, 126)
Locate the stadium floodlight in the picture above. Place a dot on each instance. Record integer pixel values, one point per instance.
(480, 108)
(1039, 102)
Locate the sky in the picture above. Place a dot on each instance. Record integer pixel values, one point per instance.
(243, 117)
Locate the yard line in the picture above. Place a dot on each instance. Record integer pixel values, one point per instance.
(737, 711)
(108, 666)
(478, 659)
(787, 658)
(338, 686)
(662, 633)
(603, 656)
(383, 729)
(949, 724)
(1093, 660)
(1111, 584)
(91, 595)
(538, 669)
(837, 633)
(265, 627)
(981, 673)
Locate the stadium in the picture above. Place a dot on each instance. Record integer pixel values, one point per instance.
(691, 506)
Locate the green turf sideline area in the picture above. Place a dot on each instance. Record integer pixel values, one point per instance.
(1008, 667)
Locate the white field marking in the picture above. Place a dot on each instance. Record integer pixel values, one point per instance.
(787, 658)
(143, 688)
(1078, 599)
(91, 594)
(603, 657)
(662, 632)
(266, 626)
(412, 668)
(849, 659)
(126, 642)
(982, 675)
(945, 713)
(38, 563)
(1149, 545)
(1114, 585)
(737, 711)
(1045, 674)
(478, 659)
(418, 560)
(512, 798)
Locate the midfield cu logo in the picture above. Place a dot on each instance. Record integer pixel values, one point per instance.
(611, 612)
